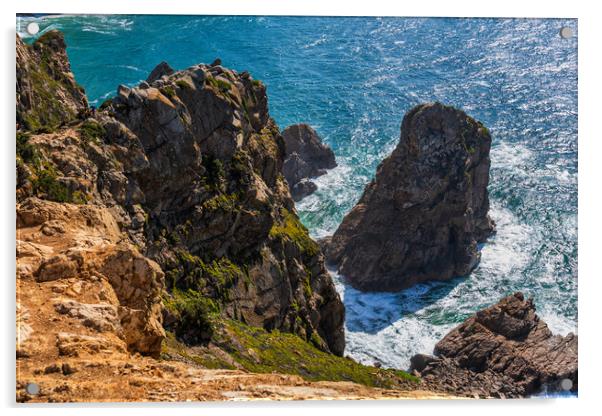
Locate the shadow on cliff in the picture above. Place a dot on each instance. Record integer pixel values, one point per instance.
(371, 312)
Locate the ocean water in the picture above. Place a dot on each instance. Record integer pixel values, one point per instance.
(353, 79)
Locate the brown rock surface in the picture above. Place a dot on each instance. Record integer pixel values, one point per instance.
(98, 281)
(504, 350)
(423, 214)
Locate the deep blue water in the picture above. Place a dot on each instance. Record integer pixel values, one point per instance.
(353, 79)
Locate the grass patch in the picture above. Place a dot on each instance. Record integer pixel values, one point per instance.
(174, 349)
(25, 150)
(92, 132)
(227, 203)
(215, 174)
(212, 278)
(168, 91)
(264, 352)
(183, 84)
(43, 176)
(195, 314)
(219, 84)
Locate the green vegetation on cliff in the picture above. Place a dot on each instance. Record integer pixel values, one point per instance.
(290, 228)
(40, 74)
(260, 351)
(41, 174)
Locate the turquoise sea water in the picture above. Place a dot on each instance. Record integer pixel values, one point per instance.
(352, 79)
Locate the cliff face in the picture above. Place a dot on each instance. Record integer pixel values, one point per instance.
(220, 218)
(190, 168)
(47, 94)
(426, 209)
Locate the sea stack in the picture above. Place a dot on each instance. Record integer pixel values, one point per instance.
(305, 157)
(425, 211)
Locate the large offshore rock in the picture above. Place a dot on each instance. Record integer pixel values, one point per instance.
(505, 349)
(423, 214)
(306, 157)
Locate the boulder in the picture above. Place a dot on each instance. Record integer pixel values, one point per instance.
(508, 349)
(425, 211)
(305, 157)
(125, 301)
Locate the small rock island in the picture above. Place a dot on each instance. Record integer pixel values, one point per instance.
(425, 211)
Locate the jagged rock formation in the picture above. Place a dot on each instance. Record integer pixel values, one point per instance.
(47, 94)
(426, 209)
(189, 165)
(218, 207)
(305, 157)
(502, 351)
(88, 302)
(160, 70)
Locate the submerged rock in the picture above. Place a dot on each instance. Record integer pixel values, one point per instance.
(423, 214)
(306, 157)
(503, 350)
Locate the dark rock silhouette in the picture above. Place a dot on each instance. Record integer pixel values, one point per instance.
(160, 70)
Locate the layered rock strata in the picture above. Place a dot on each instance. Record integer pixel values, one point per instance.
(505, 350)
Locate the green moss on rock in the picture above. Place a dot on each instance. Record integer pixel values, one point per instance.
(264, 352)
(213, 278)
(289, 228)
(194, 314)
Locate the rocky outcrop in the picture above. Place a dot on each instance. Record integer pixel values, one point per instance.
(189, 166)
(502, 351)
(47, 94)
(305, 157)
(160, 70)
(425, 211)
(99, 282)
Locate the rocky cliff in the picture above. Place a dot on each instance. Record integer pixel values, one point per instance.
(423, 214)
(505, 350)
(47, 94)
(190, 167)
(306, 157)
